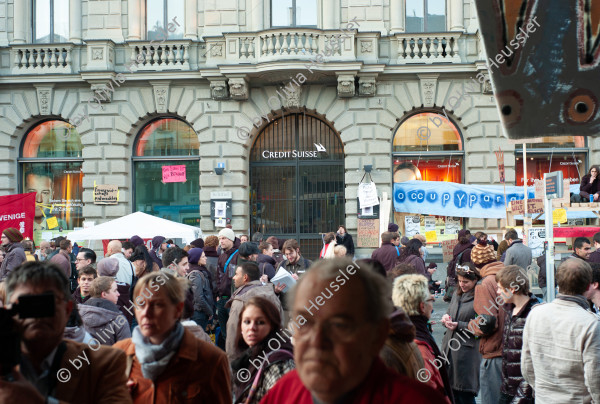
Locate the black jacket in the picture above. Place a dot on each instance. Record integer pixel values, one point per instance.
(266, 265)
(224, 275)
(513, 382)
(346, 241)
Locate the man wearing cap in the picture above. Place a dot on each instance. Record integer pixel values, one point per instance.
(158, 247)
(225, 271)
(248, 253)
(491, 324)
(15, 254)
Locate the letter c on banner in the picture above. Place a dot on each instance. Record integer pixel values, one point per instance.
(420, 196)
(412, 195)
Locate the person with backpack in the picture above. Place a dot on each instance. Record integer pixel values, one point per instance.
(460, 255)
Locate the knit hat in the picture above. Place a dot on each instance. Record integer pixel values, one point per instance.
(194, 255)
(13, 235)
(393, 227)
(157, 241)
(108, 267)
(136, 241)
(198, 243)
(247, 249)
(227, 233)
(481, 255)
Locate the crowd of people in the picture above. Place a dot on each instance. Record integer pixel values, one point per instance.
(209, 322)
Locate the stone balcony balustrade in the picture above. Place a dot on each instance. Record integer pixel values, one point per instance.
(41, 58)
(428, 48)
(168, 55)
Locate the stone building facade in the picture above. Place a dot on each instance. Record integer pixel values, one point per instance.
(229, 72)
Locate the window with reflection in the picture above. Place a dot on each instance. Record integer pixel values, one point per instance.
(293, 13)
(161, 145)
(425, 15)
(557, 153)
(50, 166)
(159, 18)
(50, 21)
(427, 132)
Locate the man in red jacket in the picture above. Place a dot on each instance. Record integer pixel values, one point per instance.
(340, 321)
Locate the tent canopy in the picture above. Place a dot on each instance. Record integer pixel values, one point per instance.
(138, 223)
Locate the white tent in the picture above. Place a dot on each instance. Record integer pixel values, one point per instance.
(138, 223)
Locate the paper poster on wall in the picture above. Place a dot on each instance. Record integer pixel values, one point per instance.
(536, 238)
(429, 223)
(367, 194)
(173, 173)
(412, 225)
(106, 195)
(452, 225)
(368, 211)
(220, 222)
(220, 209)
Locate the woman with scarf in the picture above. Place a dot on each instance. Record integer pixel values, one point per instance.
(411, 293)
(259, 332)
(165, 362)
(459, 344)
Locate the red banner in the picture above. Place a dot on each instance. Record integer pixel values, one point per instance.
(18, 211)
(575, 231)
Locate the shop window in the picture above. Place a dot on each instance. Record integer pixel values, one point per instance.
(428, 147)
(159, 14)
(293, 13)
(561, 153)
(167, 142)
(50, 21)
(50, 166)
(425, 15)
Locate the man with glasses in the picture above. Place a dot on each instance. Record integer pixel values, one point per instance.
(53, 369)
(85, 257)
(340, 323)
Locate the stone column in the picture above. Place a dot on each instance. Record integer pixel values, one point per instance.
(75, 21)
(397, 16)
(257, 14)
(191, 19)
(133, 20)
(457, 15)
(20, 14)
(331, 9)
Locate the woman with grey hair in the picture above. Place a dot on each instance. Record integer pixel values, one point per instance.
(411, 293)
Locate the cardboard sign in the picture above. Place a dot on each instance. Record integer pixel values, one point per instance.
(533, 206)
(368, 233)
(539, 189)
(447, 247)
(106, 195)
(565, 200)
(173, 173)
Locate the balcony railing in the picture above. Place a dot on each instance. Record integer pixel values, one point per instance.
(41, 58)
(171, 55)
(428, 48)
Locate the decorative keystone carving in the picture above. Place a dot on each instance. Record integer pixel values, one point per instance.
(367, 86)
(345, 86)
(44, 100)
(293, 97)
(218, 90)
(238, 88)
(161, 98)
(102, 91)
(428, 88)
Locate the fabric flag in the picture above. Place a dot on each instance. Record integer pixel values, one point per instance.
(18, 211)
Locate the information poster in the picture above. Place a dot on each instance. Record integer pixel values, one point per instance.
(452, 225)
(536, 238)
(367, 194)
(429, 222)
(412, 225)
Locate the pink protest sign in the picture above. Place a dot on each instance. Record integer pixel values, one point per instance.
(173, 173)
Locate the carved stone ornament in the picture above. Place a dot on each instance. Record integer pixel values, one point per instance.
(293, 97)
(367, 86)
(161, 98)
(486, 88)
(428, 88)
(97, 53)
(345, 86)
(366, 46)
(102, 91)
(216, 49)
(238, 88)
(44, 100)
(218, 90)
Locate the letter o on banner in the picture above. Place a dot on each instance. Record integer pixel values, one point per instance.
(400, 197)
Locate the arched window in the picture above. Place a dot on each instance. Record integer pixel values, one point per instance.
(50, 166)
(163, 146)
(297, 181)
(428, 146)
(558, 153)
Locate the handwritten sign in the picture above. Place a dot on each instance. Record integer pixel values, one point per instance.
(539, 189)
(368, 233)
(106, 195)
(533, 206)
(367, 195)
(447, 248)
(173, 173)
(431, 236)
(559, 216)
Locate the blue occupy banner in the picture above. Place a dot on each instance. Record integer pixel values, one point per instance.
(452, 199)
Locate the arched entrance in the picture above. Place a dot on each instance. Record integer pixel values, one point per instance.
(297, 181)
